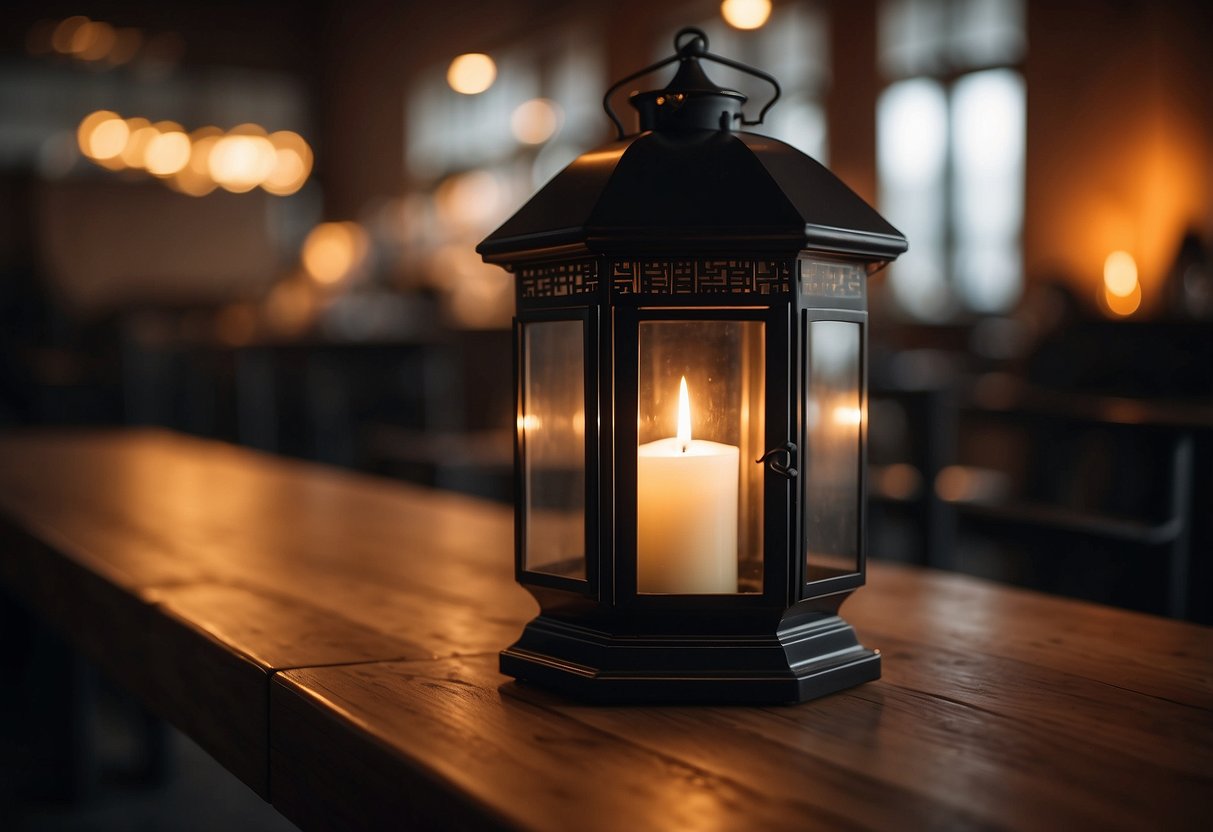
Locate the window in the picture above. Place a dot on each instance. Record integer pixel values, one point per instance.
(950, 152)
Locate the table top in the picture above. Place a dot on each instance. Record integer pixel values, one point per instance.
(332, 639)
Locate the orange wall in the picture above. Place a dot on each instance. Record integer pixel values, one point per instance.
(1120, 137)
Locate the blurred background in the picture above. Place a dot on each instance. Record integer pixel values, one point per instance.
(255, 221)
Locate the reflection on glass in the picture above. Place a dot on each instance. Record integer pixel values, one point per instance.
(833, 424)
(700, 426)
(552, 423)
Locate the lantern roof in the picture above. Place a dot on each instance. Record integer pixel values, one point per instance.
(694, 191)
(688, 184)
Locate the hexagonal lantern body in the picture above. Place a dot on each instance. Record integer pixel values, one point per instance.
(690, 358)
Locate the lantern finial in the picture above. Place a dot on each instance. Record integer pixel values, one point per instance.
(690, 100)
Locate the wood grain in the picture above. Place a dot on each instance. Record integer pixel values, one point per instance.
(1144, 653)
(332, 640)
(891, 754)
(192, 571)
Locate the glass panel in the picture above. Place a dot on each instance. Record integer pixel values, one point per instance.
(700, 428)
(833, 422)
(553, 447)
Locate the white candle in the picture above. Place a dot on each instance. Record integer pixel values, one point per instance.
(686, 513)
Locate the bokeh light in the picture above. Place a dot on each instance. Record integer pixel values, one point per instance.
(102, 135)
(469, 200)
(93, 40)
(291, 307)
(141, 134)
(243, 159)
(333, 250)
(1120, 273)
(745, 14)
(1123, 306)
(196, 163)
(292, 163)
(471, 73)
(195, 177)
(1121, 291)
(168, 151)
(535, 121)
(65, 33)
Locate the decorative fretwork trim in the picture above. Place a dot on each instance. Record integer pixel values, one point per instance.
(669, 276)
(555, 280)
(832, 280)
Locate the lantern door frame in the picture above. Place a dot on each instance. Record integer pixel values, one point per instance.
(778, 492)
(809, 589)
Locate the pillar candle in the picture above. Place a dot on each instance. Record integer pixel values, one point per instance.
(686, 513)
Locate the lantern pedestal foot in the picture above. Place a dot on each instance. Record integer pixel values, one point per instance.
(793, 665)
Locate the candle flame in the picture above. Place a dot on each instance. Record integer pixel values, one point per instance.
(684, 415)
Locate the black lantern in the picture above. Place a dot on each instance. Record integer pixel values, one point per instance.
(690, 387)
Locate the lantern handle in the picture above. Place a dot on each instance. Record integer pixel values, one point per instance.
(606, 99)
(693, 49)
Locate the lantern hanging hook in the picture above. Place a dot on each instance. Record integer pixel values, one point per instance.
(693, 49)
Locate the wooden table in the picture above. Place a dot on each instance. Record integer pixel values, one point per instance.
(331, 639)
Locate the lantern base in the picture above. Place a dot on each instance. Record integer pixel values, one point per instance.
(794, 665)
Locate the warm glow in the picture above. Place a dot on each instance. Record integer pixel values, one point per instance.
(1120, 274)
(483, 300)
(65, 33)
(290, 307)
(970, 484)
(333, 250)
(848, 415)
(529, 422)
(292, 163)
(535, 121)
(471, 73)
(197, 163)
(242, 160)
(745, 14)
(141, 135)
(1124, 306)
(194, 178)
(92, 41)
(899, 481)
(167, 152)
(471, 199)
(684, 414)
(102, 135)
